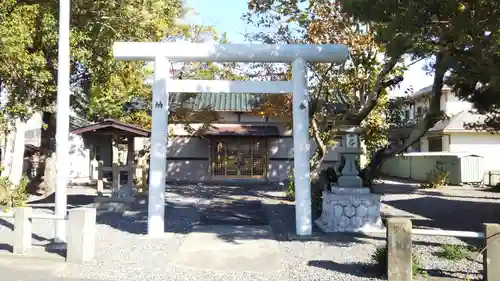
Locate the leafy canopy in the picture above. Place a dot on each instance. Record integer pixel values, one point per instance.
(361, 84)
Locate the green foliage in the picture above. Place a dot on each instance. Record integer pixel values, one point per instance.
(376, 127)
(361, 84)
(379, 258)
(13, 196)
(29, 44)
(454, 252)
(316, 194)
(438, 177)
(463, 37)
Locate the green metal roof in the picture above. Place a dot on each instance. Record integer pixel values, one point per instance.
(235, 102)
(77, 122)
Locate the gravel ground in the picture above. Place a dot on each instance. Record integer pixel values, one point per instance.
(125, 253)
(451, 208)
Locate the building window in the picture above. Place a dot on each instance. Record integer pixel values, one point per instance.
(419, 112)
(329, 125)
(435, 144)
(407, 114)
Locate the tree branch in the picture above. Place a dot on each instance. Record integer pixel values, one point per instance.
(422, 127)
(372, 97)
(317, 137)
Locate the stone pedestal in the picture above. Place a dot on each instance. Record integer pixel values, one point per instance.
(350, 210)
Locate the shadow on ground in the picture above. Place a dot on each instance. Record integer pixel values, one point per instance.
(450, 214)
(74, 201)
(354, 269)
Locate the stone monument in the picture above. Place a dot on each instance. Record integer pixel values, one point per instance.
(348, 206)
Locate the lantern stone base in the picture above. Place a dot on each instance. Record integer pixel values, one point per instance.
(350, 210)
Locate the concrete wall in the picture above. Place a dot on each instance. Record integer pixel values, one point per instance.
(452, 105)
(483, 144)
(79, 157)
(280, 152)
(188, 159)
(416, 166)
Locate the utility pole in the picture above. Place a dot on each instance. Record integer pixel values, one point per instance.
(62, 119)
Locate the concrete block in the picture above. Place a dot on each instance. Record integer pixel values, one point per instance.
(399, 252)
(491, 256)
(22, 230)
(81, 235)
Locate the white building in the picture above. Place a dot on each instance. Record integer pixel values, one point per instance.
(452, 135)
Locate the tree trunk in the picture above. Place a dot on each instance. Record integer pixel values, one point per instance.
(18, 157)
(8, 153)
(421, 128)
(14, 152)
(45, 180)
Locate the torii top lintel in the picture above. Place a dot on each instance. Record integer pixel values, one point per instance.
(203, 52)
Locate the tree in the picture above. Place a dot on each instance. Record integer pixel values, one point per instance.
(461, 37)
(105, 104)
(361, 84)
(28, 54)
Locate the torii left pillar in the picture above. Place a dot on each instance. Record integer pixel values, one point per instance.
(158, 153)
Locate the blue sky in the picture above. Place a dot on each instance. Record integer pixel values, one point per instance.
(225, 16)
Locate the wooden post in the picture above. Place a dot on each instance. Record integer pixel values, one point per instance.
(116, 179)
(100, 173)
(145, 180)
(130, 161)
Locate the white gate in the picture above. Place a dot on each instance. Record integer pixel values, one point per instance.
(163, 53)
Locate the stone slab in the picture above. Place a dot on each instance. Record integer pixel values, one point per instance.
(230, 248)
(349, 191)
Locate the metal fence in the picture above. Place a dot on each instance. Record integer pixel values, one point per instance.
(492, 178)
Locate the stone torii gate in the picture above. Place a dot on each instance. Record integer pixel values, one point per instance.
(164, 53)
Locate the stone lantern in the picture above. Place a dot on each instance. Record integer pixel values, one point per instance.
(350, 151)
(350, 207)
